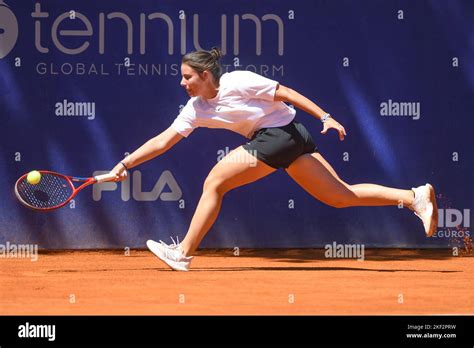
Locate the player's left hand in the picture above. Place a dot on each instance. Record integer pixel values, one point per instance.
(332, 123)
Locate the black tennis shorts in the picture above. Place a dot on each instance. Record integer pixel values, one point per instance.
(280, 146)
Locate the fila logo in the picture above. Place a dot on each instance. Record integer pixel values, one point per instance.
(173, 193)
(8, 29)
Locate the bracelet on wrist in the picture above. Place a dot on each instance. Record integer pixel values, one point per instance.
(124, 165)
(325, 117)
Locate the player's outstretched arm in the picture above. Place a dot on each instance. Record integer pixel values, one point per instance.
(151, 149)
(289, 95)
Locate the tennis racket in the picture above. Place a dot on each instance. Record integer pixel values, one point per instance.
(54, 190)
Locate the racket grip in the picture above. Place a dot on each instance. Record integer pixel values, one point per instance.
(105, 177)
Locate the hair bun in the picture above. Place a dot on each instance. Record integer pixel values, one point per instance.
(216, 53)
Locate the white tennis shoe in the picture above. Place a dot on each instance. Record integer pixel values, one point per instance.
(424, 206)
(171, 254)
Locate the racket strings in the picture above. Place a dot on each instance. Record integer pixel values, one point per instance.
(51, 191)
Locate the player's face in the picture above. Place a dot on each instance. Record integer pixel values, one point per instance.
(192, 81)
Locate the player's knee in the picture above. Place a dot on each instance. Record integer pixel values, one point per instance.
(215, 184)
(344, 199)
(340, 202)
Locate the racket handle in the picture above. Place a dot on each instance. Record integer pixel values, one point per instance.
(105, 177)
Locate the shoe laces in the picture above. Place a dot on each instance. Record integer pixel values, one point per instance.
(172, 249)
(419, 205)
(171, 246)
(415, 205)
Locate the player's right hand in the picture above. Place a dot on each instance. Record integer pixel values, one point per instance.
(120, 172)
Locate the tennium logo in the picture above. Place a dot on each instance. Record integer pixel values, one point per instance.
(78, 33)
(52, 25)
(8, 29)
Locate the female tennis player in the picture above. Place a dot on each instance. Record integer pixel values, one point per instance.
(254, 106)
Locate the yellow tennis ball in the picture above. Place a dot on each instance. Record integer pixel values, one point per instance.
(33, 177)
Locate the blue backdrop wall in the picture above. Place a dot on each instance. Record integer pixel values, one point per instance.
(359, 60)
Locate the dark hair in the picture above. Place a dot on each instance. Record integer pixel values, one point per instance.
(205, 60)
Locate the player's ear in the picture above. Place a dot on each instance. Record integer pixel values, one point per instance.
(205, 75)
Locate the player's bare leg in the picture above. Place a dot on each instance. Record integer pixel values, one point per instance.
(317, 177)
(236, 169)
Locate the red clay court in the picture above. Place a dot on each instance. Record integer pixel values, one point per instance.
(257, 282)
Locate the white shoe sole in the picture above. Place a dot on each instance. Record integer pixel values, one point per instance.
(434, 216)
(155, 248)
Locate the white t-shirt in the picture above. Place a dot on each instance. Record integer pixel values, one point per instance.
(244, 104)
